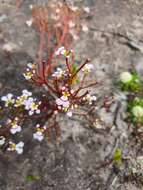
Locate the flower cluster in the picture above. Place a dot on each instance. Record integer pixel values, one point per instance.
(63, 95)
(20, 100)
(131, 83)
(29, 103)
(64, 103)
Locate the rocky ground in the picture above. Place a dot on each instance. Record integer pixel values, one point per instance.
(81, 161)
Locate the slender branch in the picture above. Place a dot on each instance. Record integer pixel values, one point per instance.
(68, 66)
(87, 61)
(95, 83)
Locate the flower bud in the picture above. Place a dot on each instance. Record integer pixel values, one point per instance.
(126, 77)
(137, 111)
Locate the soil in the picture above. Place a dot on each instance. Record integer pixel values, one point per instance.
(81, 160)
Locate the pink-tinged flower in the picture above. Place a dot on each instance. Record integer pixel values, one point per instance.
(64, 52)
(63, 101)
(71, 24)
(60, 51)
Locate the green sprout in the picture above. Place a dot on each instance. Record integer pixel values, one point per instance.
(130, 82)
(31, 178)
(135, 110)
(117, 157)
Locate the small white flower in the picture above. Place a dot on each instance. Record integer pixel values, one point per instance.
(15, 128)
(16, 147)
(38, 136)
(31, 6)
(85, 28)
(74, 34)
(9, 47)
(59, 73)
(55, 17)
(59, 102)
(75, 37)
(86, 9)
(126, 77)
(69, 113)
(60, 51)
(74, 8)
(26, 93)
(64, 98)
(90, 98)
(88, 68)
(19, 147)
(94, 98)
(57, 10)
(63, 101)
(71, 24)
(137, 111)
(31, 112)
(28, 75)
(8, 99)
(2, 140)
(20, 101)
(28, 103)
(30, 65)
(32, 106)
(37, 125)
(38, 111)
(63, 51)
(29, 22)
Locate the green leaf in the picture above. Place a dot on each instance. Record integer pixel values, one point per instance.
(117, 157)
(31, 178)
(74, 68)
